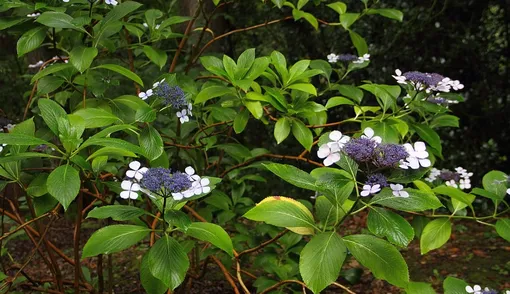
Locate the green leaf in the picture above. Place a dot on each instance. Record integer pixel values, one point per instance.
(281, 129)
(455, 193)
(383, 259)
(282, 212)
(255, 108)
(351, 92)
(37, 186)
(323, 66)
(116, 212)
(384, 223)
(336, 101)
(453, 285)
(7, 21)
(213, 234)
(359, 43)
(445, 120)
(297, 69)
(321, 259)
(50, 112)
(339, 7)
(503, 228)
(113, 239)
(117, 13)
(121, 70)
(307, 88)
(388, 13)
(151, 143)
(58, 20)
(81, 57)
(157, 56)
(212, 92)
(419, 288)
(347, 19)
(302, 134)
(64, 184)
(168, 262)
(176, 19)
(435, 234)
(244, 63)
(292, 175)
(96, 117)
(429, 135)
(49, 84)
(417, 200)
(495, 182)
(486, 194)
(22, 140)
(241, 121)
(24, 155)
(235, 150)
(301, 3)
(259, 66)
(31, 40)
(51, 69)
(213, 64)
(336, 187)
(149, 282)
(386, 95)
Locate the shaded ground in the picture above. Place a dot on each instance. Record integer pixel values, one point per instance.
(474, 253)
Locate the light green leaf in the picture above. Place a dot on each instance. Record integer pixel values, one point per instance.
(112, 17)
(151, 143)
(59, 20)
(113, 239)
(383, 259)
(241, 121)
(31, 40)
(388, 13)
(150, 284)
(51, 69)
(386, 95)
(347, 19)
(395, 228)
(244, 63)
(292, 175)
(168, 262)
(417, 200)
(37, 186)
(339, 7)
(307, 88)
(419, 288)
(359, 43)
(24, 155)
(321, 259)
(49, 84)
(157, 56)
(96, 117)
(429, 135)
(116, 212)
(213, 234)
(212, 92)
(281, 129)
(495, 182)
(64, 184)
(255, 108)
(121, 70)
(81, 57)
(503, 228)
(259, 66)
(435, 234)
(453, 285)
(302, 134)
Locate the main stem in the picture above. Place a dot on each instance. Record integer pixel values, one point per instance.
(163, 213)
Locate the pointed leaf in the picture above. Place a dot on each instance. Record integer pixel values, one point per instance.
(113, 239)
(213, 234)
(64, 184)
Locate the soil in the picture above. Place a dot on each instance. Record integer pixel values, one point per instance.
(474, 253)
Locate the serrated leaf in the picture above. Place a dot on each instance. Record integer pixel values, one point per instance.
(435, 234)
(213, 234)
(113, 239)
(81, 57)
(64, 184)
(168, 262)
(31, 40)
(121, 70)
(388, 224)
(292, 175)
(116, 212)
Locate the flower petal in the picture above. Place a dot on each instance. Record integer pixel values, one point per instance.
(126, 185)
(420, 146)
(177, 196)
(369, 132)
(189, 170)
(206, 189)
(364, 193)
(324, 151)
(332, 158)
(404, 194)
(425, 162)
(124, 194)
(138, 176)
(335, 135)
(205, 182)
(133, 195)
(135, 165)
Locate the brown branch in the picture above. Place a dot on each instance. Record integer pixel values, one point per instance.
(277, 285)
(263, 244)
(343, 287)
(185, 38)
(25, 224)
(326, 125)
(153, 229)
(77, 265)
(226, 274)
(269, 114)
(210, 126)
(130, 58)
(182, 146)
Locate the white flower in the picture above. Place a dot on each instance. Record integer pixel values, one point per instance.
(65, 1)
(3, 145)
(201, 186)
(417, 156)
(451, 183)
(367, 190)
(157, 83)
(157, 26)
(145, 25)
(464, 184)
(361, 59)
(111, 2)
(338, 140)
(34, 14)
(332, 58)
(190, 108)
(9, 127)
(399, 77)
(398, 191)
(190, 171)
(331, 150)
(145, 95)
(135, 171)
(508, 191)
(434, 172)
(36, 65)
(182, 115)
(475, 290)
(130, 189)
(460, 170)
(507, 292)
(368, 133)
(456, 85)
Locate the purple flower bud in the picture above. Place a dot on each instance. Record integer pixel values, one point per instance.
(171, 95)
(430, 79)
(375, 179)
(388, 155)
(347, 57)
(361, 149)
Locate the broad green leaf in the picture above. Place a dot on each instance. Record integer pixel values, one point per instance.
(347, 19)
(151, 143)
(445, 120)
(455, 193)
(241, 121)
(339, 7)
(403, 176)
(64, 184)
(281, 129)
(429, 135)
(487, 194)
(122, 70)
(387, 132)
(386, 95)
(382, 258)
(235, 150)
(50, 112)
(321, 259)
(302, 134)
(213, 234)
(297, 69)
(280, 63)
(255, 108)
(301, 3)
(111, 151)
(230, 67)
(37, 186)
(176, 19)
(49, 70)
(292, 175)
(31, 40)
(213, 64)
(168, 262)
(283, 212)
(419, 288)
(178, 219)
(336, 187)
(453, 285)
(307, 88)
(495, 182)
(157, 56)
(116, 212)
(259, 66)
(395, 228)
(49, 84)
(81, 57)
(112, 143)
(96, 117)
(323, 66)
(351, 92)
(7, 21)
(388, 13)
(435, 234)
(113, 239)
(359, 43)
(22, 140)
(150, 284)
(337, 101)
(417, 200)
(24, 155)
(112, 17)
(503, 228)
(244, 63)
(58, 20)
(212, 92)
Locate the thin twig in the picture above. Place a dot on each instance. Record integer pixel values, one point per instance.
(25, 224)
(262, 245)
(343, 287)
(277, 285)
(226, 274)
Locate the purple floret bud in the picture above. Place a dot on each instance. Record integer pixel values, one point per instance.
(430, 79)
(156, 178)
(179, 182)
(171, 95)
(388, 155)
(375, 179)
(347, 57)
(361, 149)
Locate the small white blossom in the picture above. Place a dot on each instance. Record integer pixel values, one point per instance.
(332, 58)
(398, 191)
(331, 150)
(361, 59)
(434, 172)
(451, 183)
(190, 171)
(65, 1)
(35, 14)
(202, 186)
(145, 95)
(145, 25)
(475, 290)
(190, 108)
(136, 170)
(182, 115)
(130, 190)
(3, 145)
(368, 133)
(465, 184)
(111, 2)
(508, 191)
(157, 26)
(9, 127)
(367, 190)
(418, 156)
(399, 77)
